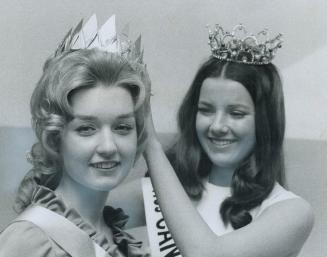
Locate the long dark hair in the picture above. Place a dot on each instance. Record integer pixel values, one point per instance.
(254, 179)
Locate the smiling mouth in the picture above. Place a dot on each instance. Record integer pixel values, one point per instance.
(108, 165)
(221, 142)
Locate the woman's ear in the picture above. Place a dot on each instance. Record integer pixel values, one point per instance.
(51, 143)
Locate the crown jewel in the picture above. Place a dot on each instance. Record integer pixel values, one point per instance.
(239, 46)
(88, 36)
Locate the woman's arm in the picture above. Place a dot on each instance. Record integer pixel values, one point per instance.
(280, 230)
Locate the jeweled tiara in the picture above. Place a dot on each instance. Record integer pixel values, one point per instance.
(241, 47)
(88, 36)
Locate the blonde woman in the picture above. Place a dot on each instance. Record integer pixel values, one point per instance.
(88, 116)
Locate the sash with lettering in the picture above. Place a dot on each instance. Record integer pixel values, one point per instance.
(160, 239)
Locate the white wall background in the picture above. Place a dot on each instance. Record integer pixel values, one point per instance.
(306, 96)
(175, 42)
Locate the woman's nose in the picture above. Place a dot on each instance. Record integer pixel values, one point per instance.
(219, 124)
(106, 143)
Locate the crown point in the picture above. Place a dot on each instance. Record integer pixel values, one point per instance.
(125, 31)
(88, 36)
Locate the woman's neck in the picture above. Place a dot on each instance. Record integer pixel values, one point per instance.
(221, 176)
(87, 202)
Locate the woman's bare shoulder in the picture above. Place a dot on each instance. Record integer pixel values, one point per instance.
(297, 209)
(288, 221)
(291, 220)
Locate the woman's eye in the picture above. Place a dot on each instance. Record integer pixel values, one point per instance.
(124, 129)
(205, 110)
(238, 114)
(85, 130)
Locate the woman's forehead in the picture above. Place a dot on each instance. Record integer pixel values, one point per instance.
(102, 101)
(224, 90)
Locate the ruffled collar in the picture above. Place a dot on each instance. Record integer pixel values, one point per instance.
(125, 245)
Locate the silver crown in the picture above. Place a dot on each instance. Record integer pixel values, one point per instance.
(88, 36)
(241, 47)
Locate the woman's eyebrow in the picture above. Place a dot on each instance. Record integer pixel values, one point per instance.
(239, 106)
(84, 117)
(92, 118)
(204, 103)
(126, 115)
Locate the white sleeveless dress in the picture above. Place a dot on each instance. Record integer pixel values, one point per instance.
(213, 196)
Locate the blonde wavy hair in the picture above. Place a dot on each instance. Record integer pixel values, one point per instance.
(51, 110)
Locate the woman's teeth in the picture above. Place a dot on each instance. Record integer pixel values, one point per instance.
(104, 165)
(221, 142)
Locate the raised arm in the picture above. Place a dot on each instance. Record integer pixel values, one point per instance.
(280, 230)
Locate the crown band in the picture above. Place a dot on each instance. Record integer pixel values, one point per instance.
(241, 47)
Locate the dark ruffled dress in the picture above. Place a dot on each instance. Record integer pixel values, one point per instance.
(23, 238)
